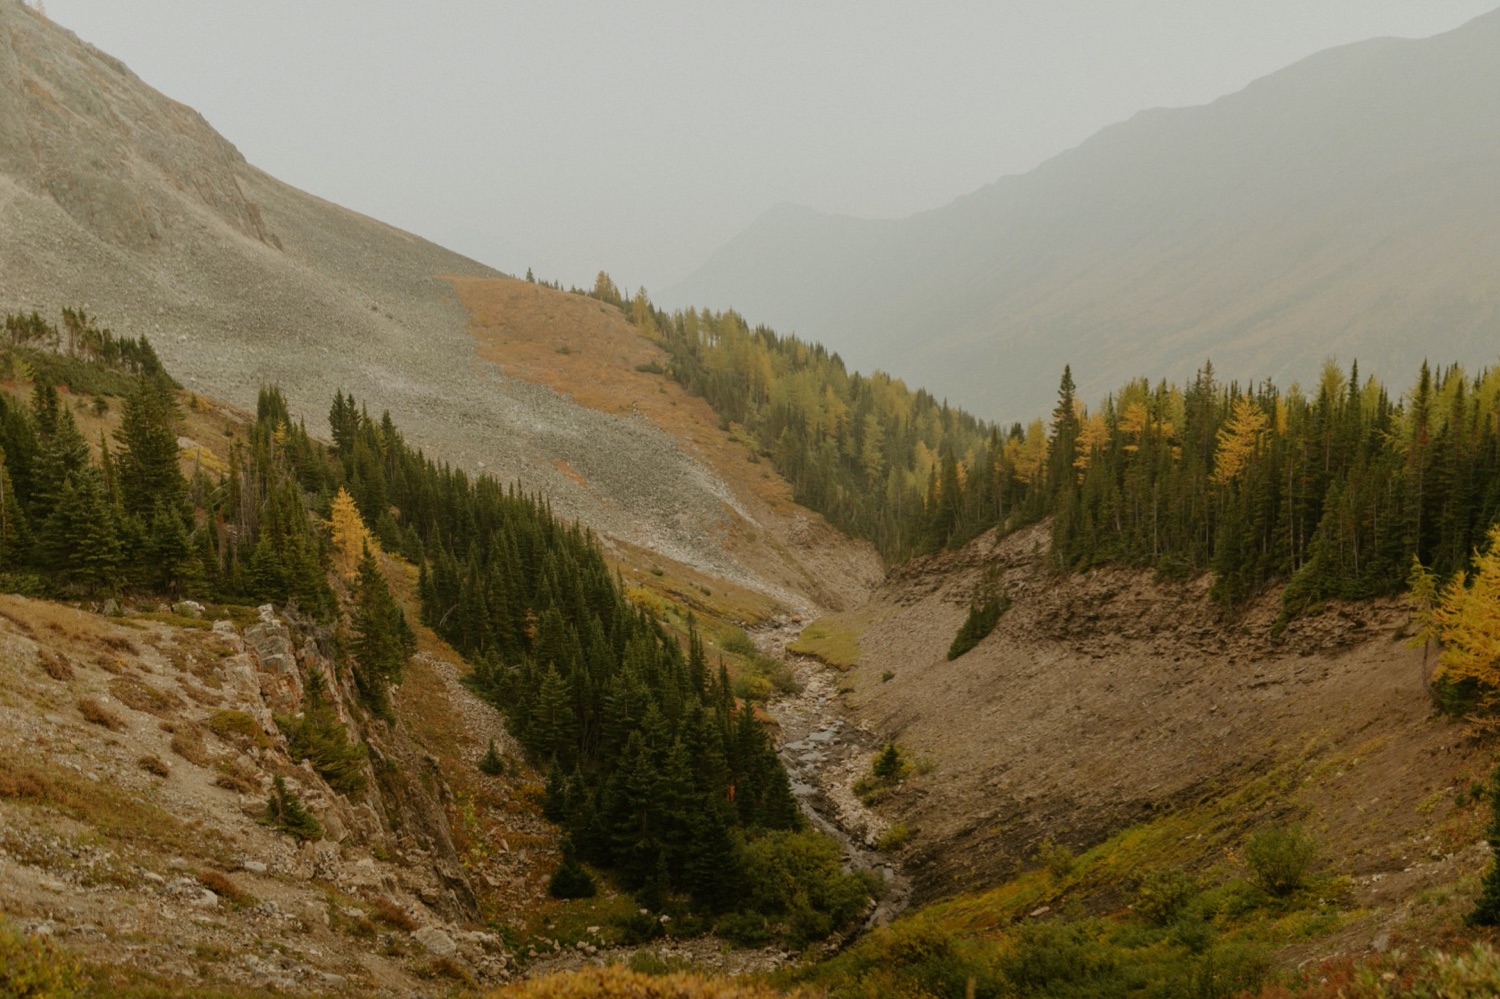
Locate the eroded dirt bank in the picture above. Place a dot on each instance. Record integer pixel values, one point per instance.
(1107, 698)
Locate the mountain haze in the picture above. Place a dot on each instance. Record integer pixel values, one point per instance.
(115, 198)
(1343, 206)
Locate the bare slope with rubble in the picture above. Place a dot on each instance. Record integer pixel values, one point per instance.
(1108, 699)
(118, 199)
(136, 756)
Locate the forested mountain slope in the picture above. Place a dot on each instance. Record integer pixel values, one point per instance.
(1342, 206)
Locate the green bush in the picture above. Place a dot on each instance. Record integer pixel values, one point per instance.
(34, 968)
(797, 880)
(1163, 895)
(747, 929)
(1058, 859)
(1054, 958)
(735, 640)
(1279, 859)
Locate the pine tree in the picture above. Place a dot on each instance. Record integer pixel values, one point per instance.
(79, 541)
(149, 469)
(382, 640)
(14, 535)
(493, 763)
(1487, 907)
(64, 452)
(285, 811)
(570, 880)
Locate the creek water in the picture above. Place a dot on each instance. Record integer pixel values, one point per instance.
(825, 752)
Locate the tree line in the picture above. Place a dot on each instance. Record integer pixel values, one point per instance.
(1330, 489)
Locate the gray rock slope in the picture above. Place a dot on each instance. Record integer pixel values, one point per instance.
(121, 200)
(1346, 206)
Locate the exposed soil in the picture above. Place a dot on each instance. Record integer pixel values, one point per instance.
(1103, 698)
(130, 816)
(737, 520)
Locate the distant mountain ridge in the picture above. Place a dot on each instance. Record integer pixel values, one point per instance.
(1345, 205)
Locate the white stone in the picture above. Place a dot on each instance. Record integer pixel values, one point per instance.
(436, 941)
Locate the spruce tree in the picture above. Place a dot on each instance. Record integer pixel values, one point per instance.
(382, 640)
(1487, 907)
(14, 534)
(79, 542)
(63, 453)
(149, 460)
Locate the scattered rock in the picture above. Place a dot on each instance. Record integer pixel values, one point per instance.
(437, 942)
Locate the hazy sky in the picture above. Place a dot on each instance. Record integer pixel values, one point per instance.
(639, 136)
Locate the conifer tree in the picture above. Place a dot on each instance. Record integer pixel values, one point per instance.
(64, 452)
(382, 640)
(79, 541)
(1486, 910)
(351, 539)
(149, 469)
(285, 811)
(14, 534)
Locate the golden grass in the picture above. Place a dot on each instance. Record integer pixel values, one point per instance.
(122, 818)
(622, 983)
(142, 696)
(830, 640)
(98, 714)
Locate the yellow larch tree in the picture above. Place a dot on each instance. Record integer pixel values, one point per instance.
(1239, 440)
(1093, 436)
(1466, 619)
(349, 534)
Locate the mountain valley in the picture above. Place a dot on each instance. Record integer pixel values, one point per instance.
(968, 710)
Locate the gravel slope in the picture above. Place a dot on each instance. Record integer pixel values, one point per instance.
(115, 198)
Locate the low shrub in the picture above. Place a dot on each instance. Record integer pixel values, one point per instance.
(1056, 858)
(153, 764)
(97, 714)
(1163, 895)
(391, 914)
(1279, 859)
(224, 886)
(894, 838)
(36, 967)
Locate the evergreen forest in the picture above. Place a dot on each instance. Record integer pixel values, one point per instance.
(656, 772)
(1332, 489)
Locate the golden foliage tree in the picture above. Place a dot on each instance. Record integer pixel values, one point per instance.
(1239, 440)
(1466, 618)
(350, 536)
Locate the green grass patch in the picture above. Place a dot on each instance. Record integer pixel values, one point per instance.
(829, 640)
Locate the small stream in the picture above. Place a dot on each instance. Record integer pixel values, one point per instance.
(824, 753)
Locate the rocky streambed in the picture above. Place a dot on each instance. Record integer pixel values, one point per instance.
(825, 751)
